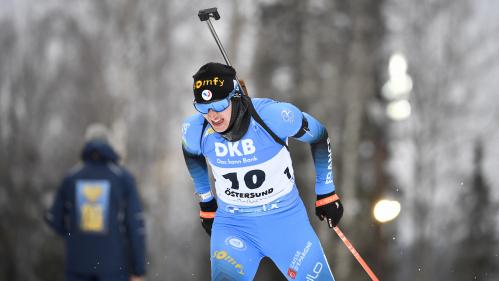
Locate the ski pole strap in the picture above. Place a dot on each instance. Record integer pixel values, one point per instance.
(206, 215)
(327, 200)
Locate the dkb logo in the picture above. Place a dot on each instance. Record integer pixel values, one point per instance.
(233, 148)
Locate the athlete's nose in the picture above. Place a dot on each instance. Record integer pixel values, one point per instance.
(211, 113)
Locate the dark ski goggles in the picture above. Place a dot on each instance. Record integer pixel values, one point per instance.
(217, 106)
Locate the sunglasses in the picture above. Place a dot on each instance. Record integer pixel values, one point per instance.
(217, 106)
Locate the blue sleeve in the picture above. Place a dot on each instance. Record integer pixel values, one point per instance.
(56, 214)
(135, 226)
(283, 118)
(191, 134)
(286, 120)
(194, 159)
(313, 132)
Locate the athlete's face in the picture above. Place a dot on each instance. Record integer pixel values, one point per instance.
(219, 121)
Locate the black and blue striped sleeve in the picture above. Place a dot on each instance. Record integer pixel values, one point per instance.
(315, 133)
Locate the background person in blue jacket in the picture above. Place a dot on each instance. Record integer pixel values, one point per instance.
(257, 211)
(98, 212)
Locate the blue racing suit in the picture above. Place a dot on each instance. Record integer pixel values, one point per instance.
(260, 213)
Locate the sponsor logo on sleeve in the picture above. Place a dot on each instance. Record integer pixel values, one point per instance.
(288, 116)
(185, 127)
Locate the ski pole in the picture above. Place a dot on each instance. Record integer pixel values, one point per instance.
(206, 15)
(355, 254)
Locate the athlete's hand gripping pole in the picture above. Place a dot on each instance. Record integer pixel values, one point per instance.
(355, 254)
(207, 214)
(206, 15)
(328, 206)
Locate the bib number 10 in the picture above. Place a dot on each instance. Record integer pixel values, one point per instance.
(253, 179)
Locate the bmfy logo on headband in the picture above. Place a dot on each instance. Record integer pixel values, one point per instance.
(206, 95)
(209, 82)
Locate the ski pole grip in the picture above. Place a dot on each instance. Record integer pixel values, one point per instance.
(205, 14)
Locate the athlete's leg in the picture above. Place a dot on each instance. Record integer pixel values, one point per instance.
(234, 256)
(294, 247)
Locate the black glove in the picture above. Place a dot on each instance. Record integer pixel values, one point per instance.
(207, 214)
(329, 206)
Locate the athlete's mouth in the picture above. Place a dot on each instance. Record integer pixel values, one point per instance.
(217, 122)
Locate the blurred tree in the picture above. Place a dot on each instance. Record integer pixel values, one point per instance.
(45, 95)
(438, 39)
(476, 254)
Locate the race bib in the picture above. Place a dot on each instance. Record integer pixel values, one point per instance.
(256, 184)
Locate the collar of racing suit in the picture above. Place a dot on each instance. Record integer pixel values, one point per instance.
(239, 120)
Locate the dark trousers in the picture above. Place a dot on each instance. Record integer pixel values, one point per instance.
(94, 277)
